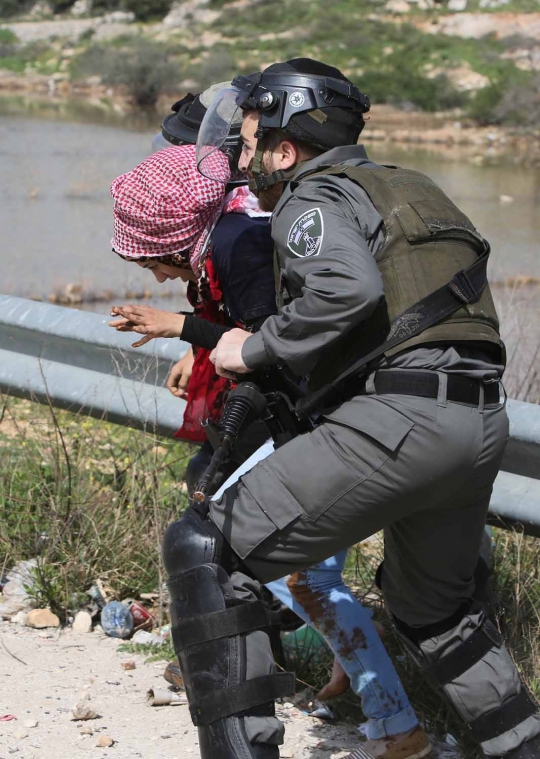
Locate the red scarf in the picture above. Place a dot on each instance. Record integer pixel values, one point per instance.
(207, 391)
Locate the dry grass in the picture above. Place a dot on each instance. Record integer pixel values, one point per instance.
(518, 305)
(88, 499)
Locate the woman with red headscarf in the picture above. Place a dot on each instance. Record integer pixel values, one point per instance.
(166, 220)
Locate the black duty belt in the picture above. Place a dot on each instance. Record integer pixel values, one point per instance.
(426, 385)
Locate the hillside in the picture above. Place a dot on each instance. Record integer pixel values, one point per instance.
(468, 55)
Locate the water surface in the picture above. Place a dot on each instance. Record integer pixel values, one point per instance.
(56, 167)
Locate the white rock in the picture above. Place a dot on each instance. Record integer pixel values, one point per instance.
(119, 17)
(14, 595)
(398, 6)
(30, 723)
(82, 622)
(506, 199)
(83, 710)
(457, 5)
(41, 9)
(81, 8)
(105, 741)
(19, 618)
(192, 11)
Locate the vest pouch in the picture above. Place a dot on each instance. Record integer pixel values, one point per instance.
(420, 222)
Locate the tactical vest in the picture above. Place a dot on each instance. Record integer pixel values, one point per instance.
(428, 240)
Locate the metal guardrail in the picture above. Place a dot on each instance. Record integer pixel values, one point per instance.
(74, 359)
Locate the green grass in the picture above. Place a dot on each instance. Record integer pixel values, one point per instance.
(165, 652)
(7, 37)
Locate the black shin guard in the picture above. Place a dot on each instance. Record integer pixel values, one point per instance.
(465, 659)
(223, 652)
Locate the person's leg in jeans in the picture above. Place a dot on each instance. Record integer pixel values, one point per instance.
(320, 597)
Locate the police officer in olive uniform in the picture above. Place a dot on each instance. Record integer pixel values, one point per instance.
(386, 311)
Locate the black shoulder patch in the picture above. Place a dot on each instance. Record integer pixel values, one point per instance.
(306, 234)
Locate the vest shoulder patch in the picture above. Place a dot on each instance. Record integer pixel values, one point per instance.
(306, 234)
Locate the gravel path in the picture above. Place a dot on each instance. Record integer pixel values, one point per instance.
(61, 667)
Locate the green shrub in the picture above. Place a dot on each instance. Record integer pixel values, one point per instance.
(147, 10)
(105, 6)
(514, 98)
(10, 8)
(61, 6)
(218, 66)
(7, 37)
(144, 67)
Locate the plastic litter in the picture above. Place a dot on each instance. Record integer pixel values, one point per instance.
(303, 645)
(142, 618)
(145, 638)
(322, 711)
(98, 594)
(158, 697)
(116, 620)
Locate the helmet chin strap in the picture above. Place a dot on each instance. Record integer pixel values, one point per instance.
(261, 181)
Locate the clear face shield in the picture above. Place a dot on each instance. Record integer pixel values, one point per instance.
(219, 131)
(160, 143)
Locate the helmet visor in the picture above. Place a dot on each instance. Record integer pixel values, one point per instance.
(221, 117)
(160, 143)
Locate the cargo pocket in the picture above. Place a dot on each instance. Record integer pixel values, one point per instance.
(261, 506)
(307, 476)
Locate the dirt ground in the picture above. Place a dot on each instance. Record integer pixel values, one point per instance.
(61, 667)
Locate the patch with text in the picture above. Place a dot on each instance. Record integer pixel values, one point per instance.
(306, 234)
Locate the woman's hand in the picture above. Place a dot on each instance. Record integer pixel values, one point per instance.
(147, 321)
(178, 378)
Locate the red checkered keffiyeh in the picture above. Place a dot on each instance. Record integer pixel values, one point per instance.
(165, 206)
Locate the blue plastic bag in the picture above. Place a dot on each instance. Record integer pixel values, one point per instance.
(116, 620)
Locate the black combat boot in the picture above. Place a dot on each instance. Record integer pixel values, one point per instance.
(528, 750)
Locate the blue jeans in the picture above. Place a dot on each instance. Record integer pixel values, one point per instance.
(348, 630)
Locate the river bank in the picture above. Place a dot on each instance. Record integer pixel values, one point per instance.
(450, 134)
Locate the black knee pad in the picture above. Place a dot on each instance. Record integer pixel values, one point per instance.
(465, 659)
(191, 541)
(219, 638)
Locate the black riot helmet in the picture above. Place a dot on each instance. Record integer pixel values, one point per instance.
(308, 100)
(181, 127)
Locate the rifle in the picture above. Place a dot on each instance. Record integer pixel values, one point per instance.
(245, 404)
